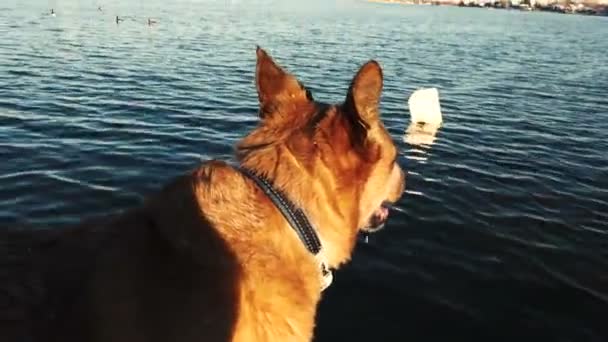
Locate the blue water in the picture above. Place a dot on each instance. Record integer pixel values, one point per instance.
(502, 233)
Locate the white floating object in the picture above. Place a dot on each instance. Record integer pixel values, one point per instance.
(424, 107)
(426, 118)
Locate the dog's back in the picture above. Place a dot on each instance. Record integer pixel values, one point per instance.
(41, 272)
(21, 286)
(135, 277)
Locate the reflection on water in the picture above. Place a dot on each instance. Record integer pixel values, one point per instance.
(421, 134)
(420, 137)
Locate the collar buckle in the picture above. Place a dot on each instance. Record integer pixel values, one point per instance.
(327, 276)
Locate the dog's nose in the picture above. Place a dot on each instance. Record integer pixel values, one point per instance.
(387, 204)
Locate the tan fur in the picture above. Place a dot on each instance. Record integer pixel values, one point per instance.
(210, 258)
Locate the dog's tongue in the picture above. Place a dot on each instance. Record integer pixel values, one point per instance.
(382, 213)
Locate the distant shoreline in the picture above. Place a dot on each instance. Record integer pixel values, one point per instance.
(401, 2)
(388, 2)
(565, 8)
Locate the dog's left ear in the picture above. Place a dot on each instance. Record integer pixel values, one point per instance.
(363, 96)
(276, 88)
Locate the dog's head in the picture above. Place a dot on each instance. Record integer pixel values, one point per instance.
(337, 162)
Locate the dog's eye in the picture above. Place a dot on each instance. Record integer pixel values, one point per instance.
(309, 95)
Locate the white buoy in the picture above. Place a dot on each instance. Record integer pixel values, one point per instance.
(426, 118)
(424, 107)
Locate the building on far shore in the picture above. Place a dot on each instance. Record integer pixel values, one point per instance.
(541, 2)
(518, 3)
(586, 7)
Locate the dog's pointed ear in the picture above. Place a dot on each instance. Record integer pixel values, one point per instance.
(363, 96)
(276, 87)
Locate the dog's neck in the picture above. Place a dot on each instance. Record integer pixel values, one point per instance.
(298, 221)
(335, 224)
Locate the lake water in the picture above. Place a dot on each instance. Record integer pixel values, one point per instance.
(502, 233)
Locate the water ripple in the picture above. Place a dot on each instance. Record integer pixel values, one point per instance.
(511, 190)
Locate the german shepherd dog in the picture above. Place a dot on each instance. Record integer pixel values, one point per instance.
(212, 256)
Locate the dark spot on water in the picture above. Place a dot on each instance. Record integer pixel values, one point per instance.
(23, 73)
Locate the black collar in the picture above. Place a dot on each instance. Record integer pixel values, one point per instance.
(296, 219)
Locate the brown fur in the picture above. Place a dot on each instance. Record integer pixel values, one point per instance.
(210, 258)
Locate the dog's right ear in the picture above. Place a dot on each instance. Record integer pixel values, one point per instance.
(276, 88)
(364, 93)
